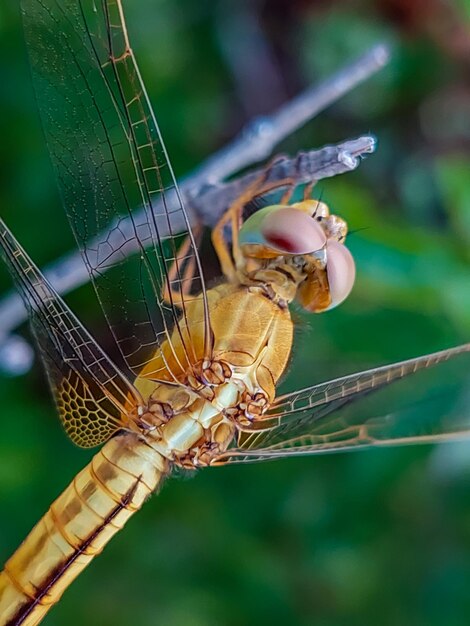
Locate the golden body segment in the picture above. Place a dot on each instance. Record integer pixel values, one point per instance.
(254, 336)
(93, 508)
(251, 333)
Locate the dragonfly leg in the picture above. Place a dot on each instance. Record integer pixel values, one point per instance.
(287, 195)
(231, 259)
(307, 192)
(308, 189)
(221, 247)
(250, 408)
(181, 273)
(208, 374)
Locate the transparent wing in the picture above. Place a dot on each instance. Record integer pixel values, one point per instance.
(340, 414)
(93, 397)
(115, 177)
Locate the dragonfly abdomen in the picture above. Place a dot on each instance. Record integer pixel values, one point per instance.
(93, 508)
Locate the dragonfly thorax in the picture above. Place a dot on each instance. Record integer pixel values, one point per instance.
(297, 252)
(182, 426)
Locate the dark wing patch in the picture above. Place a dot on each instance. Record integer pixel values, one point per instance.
(93, 397)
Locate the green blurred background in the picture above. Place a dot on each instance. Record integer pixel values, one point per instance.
(377, 537)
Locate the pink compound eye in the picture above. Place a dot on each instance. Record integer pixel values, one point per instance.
(292, 231)
(341, 272)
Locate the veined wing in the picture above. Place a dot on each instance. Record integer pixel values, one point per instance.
(93, 397)
(110, 160)
(339, 415)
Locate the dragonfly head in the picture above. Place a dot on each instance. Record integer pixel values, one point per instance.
(304, 242)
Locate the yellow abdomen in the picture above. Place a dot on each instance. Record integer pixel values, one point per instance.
(94, 507)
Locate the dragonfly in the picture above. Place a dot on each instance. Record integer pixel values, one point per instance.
(195, 377)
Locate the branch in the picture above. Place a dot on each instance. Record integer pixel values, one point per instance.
(305, 168)
(258, 140)
(206, 197)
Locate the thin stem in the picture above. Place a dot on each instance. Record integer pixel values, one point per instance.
(258, 140)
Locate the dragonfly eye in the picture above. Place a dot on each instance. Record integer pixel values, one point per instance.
(293, 231)
(284, 230)
(340, 271)
(328, 285)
